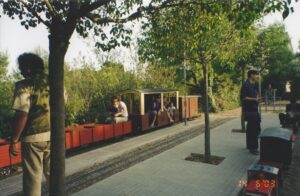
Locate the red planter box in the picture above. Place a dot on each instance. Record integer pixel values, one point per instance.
(75, 138)
(2, 141)
(108, 131)
(4, 156)
(87, 125)
(86, 136)
(98, 133)
(118, 130)
(127, 127)
(68, 129)
(17, 159)
(68, 140)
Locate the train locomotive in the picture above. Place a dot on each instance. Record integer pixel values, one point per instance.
(265, 178)
(138, 102)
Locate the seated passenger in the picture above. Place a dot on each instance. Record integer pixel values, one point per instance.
(155, 111)
(169, 107)
(118, 111)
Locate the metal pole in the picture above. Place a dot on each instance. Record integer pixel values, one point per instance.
(185, 93)
(259, 91)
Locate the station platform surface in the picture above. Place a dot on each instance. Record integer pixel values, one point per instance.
(80, 162)
(168, 174)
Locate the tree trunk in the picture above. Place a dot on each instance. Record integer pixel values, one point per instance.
(242, 112)
(58, 46)
(207, 154)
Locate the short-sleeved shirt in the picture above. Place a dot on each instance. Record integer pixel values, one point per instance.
(123, 108)
(23, 102)
(156, 106)
(249, 107)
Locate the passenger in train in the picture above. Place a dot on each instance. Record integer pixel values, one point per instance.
(155, 110)
(169, 107)
(118, 112)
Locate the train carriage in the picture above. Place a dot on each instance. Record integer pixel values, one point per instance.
(139, 103)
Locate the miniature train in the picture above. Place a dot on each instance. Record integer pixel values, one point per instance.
(265, 178)
(138, 101)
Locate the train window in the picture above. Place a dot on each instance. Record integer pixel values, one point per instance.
(149, 101)
(136, 104)
(132, 102)
(170, 98)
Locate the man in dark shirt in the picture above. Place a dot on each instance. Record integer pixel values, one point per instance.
(250, 99)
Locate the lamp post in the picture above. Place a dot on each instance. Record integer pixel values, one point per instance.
(259, 89)
(185, 92)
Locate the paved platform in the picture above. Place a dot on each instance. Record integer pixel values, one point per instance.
(84, 161)
(291, 183)
(168, 174)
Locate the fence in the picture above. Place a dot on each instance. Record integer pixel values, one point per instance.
(275, 104)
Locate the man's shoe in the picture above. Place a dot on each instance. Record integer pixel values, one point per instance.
(255, 152)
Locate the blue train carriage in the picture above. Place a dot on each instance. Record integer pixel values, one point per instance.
(263, 180)
(139, 103)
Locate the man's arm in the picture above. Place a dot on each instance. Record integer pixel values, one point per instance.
(244, 94)
(121, 112)
(20, 119)
(250, 99)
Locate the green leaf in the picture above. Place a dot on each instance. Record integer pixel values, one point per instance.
(285, 13)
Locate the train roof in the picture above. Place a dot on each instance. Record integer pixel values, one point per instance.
(149, 91)
(277, 132)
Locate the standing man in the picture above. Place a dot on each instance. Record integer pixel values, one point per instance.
(32, 123)
(250, 101)
(269, 94)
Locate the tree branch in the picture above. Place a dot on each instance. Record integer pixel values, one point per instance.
(192, 59)
(50, 8)
(97, 19)
(192, 85)
(138, 14)
(86, 9)
(34, 13)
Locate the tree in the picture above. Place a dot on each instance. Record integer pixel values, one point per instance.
(292, 73)
(6, 93)
(273, 53)
(198, 37)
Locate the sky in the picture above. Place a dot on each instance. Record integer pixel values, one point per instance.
(15, 39)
